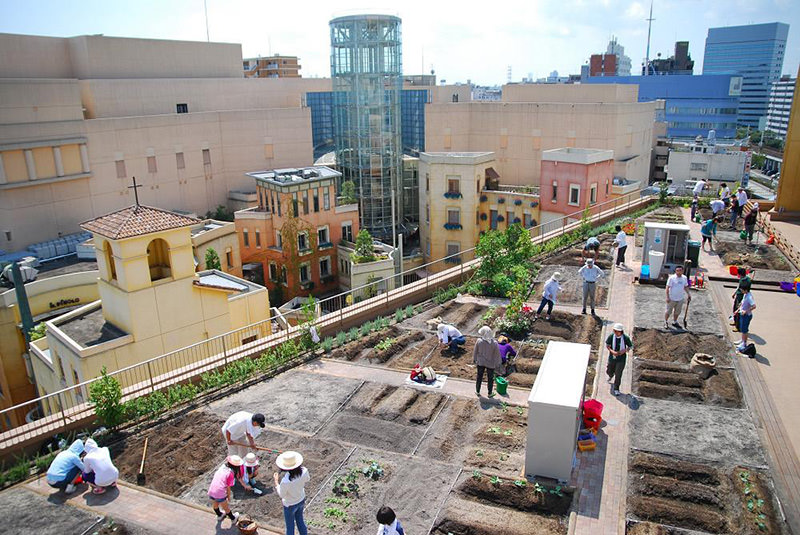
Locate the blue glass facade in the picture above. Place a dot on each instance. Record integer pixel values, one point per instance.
(756, 53)
(694, 104)
(412, 112)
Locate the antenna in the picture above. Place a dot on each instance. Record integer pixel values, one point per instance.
(423, 60)
(205, 8)
(509, 74)
(649, 26)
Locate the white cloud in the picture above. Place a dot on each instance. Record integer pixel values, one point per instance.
(635, 11)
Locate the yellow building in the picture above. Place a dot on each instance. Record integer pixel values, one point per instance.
(220, 236)
(787, 200)
(151, 301)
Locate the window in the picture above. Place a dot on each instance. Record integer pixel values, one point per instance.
(427, 181)
(698, 167)
(273, 271)
(593, 194)
(326, 200)
(112, 268)
(206, 157)
(258, 238)
(158, 260)
(283, 275)
(427, 213)
(347, 231)
(493, 219)
(428, 246)
(555, 191)
(316, 200)
(574, 194)
(305, 203)
(179, 162)
(245, 237)
(527, 220)
(509, 218)
(453, 248)
(302, 241)
(278, 199)
(295, 209)
(305, 273)
(323, 236)
(325, 266)
(453, 185)
(182, 108)
(229, 258)
(121, 173)
(278, 239)
(454, 217)
(606, 187)
(151, 164)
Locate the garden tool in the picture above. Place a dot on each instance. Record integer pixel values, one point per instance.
(259, 448)
(686, 314)
(140, 477)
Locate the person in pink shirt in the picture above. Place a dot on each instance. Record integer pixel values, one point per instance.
(219, 492)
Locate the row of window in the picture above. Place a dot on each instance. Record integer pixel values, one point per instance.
(152, 164)
(704, 126)
(681, 110)
(575, 193)
(278, 273)
(270, 201)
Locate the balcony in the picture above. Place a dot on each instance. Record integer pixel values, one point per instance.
(453, 226)
(452, 195)
(453, 260)
(324, 245)
(307, 285)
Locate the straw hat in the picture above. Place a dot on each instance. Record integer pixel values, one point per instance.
(289, 460)
(619, 327)
(557, 276)
(235, 460)
(250, 459)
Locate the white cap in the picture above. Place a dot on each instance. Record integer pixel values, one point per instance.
(618, 327)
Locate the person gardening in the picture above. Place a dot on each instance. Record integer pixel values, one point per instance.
(549, 294)
(695, 206)
(450, 336)
(746, 308)
(98, 470)
(745, 281)
(750, 221)
(591, 248)
(486, 356)
(251, 466)
(621, 241)
(291, 489)
(219, 492)
(717, 207)
(707, 232)
(65, 471)
(725, 194)
(699, 187)
(590, 273)
(677, 283)
(389, 524)
(735, 210)
(506, 350)
(741, 202)
(242, 427)
(618, 344)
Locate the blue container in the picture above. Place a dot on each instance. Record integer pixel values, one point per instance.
(645, 272)
(797, 287)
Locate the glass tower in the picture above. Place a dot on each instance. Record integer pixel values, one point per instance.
(756, 53)
(367, 73)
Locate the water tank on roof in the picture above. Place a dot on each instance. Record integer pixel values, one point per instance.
(712, 137)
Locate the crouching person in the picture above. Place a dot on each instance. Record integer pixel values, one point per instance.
(65, 470)
(98, 470)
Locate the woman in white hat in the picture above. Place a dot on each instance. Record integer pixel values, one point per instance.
(291, 489)
(549, 294)
(486, 356)
(250, 472)
(219, 492)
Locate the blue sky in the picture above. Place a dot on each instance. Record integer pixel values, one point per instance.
(460, 40)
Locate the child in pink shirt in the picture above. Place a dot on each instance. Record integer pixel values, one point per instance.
(219, 492)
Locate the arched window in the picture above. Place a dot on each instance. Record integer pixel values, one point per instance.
(109, 256)
(158, 260)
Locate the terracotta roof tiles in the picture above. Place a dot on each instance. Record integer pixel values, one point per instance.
(136, 221)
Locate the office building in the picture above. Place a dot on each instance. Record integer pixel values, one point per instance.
(276, 66)
(693, 104)
(780, 105)
(613, 62)
(679, 63)
(756, 53)
(690, 162)
(787, 199)
(367, 74)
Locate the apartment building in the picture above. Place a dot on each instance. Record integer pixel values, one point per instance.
(780, 105)
(276, 66)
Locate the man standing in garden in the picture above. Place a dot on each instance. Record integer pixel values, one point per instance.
(677, 284)
(242, 427)
(621, 242)
(618, 344)
(590, 274)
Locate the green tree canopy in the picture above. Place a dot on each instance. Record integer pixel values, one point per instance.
(212, 259)
(348, 192)
(364, 251)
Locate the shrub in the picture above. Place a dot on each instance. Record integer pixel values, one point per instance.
(352, 334)
(212, 259)
(327, 344)
(409, 311)
(106, 396)
(443, 295)
(40, 331)
(341, 338)
(398, 315)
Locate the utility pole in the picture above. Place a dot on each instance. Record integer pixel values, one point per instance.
(205, 8)
(649, 27)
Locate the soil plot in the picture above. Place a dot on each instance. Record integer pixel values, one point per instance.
(755, 256)
(677, 382)
(696, 431)
(415, 488)
(464, 316)
(651, 306)
(29, 513)
(578, 328)
(571, 286)
(320, 457)
(680, 346)
(573, 255)
(699, 497)
(360, 348)
(178, 452)
(450, 436)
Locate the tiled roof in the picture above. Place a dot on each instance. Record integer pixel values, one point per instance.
(136, 221)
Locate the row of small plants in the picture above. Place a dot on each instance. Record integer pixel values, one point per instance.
(539, 489)
(22, 468)
(345, 489)
(378, 324)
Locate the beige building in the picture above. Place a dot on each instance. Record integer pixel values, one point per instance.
(220, 236)
(276, 66)
(151, 301)
(532, 118)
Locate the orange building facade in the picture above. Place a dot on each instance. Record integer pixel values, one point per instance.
(289, 239)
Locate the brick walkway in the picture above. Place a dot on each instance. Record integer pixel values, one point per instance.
(144, 508)
(602, 474)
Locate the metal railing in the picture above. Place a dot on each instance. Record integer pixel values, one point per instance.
(67, 407)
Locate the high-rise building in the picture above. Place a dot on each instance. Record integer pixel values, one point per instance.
(367, 73)
(623, 61)
(613, 63)
(780, 105)
(756, 53)
(679, 63)
(271, 67)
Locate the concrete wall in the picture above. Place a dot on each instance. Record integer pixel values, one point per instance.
(570, 93)
(716, 167)
(36, 101)
(568, 174)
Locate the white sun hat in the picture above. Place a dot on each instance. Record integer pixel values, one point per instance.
(289, 460)
(250, 459)
(619, 327)
(235, 460)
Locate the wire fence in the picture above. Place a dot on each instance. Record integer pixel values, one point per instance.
(69, 407)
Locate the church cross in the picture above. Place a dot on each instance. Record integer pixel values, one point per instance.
(135, 189)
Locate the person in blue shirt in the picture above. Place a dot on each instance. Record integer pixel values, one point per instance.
(66, 468)
(389, 524)
(591, 249)
(707, 231)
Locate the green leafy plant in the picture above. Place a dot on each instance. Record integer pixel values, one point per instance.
(346, 484)
(520, 411)
(352, 334)
(494, 430)
(409, 311)
(504, 407)
(372, 471)
(106, 396)
(40, 331)
(496, 481)
(341, 338)
(335, 512)
(365, 249)
(479, 453)
(327, 344)
(348, 192)
(477, 475)
(489, 314)
(344, 502)
(385, 344)
(212, 259)
(556, 491)
(520, 483)
(754, 502)
(503, 456)
(398, 315)
(508, 432)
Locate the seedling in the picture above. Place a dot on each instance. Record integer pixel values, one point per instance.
(344, 485)
(508, 432)
(520, 411)
(495, 481)
(539, 489)
(504, 407)
(383, 345)
(494, 430)
(503, 456)
(335, 512)
(520, 483)
(477, 475)
(373, 471)
(557, 491)
(479, 453)
(344, 502)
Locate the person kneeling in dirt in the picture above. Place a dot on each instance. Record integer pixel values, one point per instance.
(65, 470)
(450, 336)
(98, 470)
(506, 351)
(549, 294)
(249, 473)
(241, 426)
(486, 356)
(618, 344)
(219, 492)
(591, 249)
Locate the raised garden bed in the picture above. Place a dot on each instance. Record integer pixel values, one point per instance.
(689, 495)
(738, 253)
(572, 256)
(467, 317)
(680, 347)
(677, 382)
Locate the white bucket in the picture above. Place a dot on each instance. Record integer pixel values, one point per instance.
(656, 262)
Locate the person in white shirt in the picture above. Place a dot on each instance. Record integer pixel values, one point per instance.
(450, 336)
(717, 206)
(677, 284)
(746, 308)
(725, 193)
(241, 426)
(700, 186)
(621, 242)
(291, 488)
(590, 274)
(98, 470)
(549, 294)
(741, 201)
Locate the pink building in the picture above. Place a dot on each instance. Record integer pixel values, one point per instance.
(574, 179)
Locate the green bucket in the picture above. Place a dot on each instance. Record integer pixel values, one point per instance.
(502, 385)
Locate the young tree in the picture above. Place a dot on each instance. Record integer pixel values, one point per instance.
(212, 259)
(349, 192)
(364, 251)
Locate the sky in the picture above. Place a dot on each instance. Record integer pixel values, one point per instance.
(462, 41)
